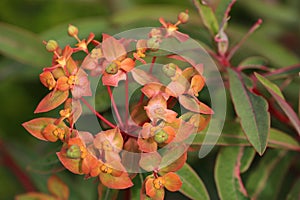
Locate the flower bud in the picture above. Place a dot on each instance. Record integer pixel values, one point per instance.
(74, 152)
(112, 68)
(169, 69)
(51, 45)
(72, 30)
(183, 17)
(161, 136)
(153, 44)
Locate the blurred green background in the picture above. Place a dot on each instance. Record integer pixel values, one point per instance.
(24, 24)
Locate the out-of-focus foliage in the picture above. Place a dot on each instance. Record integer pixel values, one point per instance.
(24, 24)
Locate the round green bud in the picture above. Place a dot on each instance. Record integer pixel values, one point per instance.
(74, 152)
(51, 45)
(72, 30)
(153, 44)
(183, 17)
(161, 136)
(169, 69)
(112, 68)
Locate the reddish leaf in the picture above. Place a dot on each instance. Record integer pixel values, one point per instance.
(112, 48)
(155, 88)
(113, 80)
(36, 126)
(58, 188)
(193, 104)
(72, 165)
(174, 166)
(149, 186)
(147, 145)
(142, 77)
(150, 161)
(52, 100)
(173, 182)
(35, 195)
(120, 182)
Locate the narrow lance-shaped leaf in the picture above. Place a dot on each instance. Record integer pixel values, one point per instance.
(252, 111)
(52, 101)
(227, 174)
(294, 193)
(36, 126)
(22, 45)
(208, 17)
(255, 62)
(265, 181)
(58, 188)
(278, 96)
(236, 137)
(192, 185)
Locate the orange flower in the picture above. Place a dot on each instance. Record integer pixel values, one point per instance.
(112, 174)
(155, 185)
(171, 29)
(109, 143)
(151, 137)
(157, 110)
(75, 156)
(116, 62)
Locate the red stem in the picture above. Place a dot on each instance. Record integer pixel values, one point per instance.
(114, 105)
(236, 47)
(150, 71)
(126, 102)
(98, 114)
(17, 171)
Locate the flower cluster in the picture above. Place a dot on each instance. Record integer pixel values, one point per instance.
(154, 130)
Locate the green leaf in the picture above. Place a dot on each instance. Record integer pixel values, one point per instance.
(192, 185)
(294, 193)
(233, 135)
(58, 188)
(23, 46)
(278, 96)
(265, 180)
(208, 17)
(268, 84)
(279, 139)
(252, 111)
(52, 101)
(247, 158)
(221, 10)
(137, 185)
(227, 174)
(254, 62)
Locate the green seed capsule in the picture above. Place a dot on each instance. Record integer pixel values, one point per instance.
(153, 44)
(161, 136)
(112, 68)
(74, 152)
(169, 69)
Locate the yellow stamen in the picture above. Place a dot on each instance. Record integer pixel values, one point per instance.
(106, 169)
(159, 183)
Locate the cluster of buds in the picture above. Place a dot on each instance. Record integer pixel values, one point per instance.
(160, 127)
